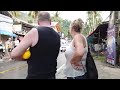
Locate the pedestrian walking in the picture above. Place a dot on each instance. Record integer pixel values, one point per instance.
(43, 43)
(75, 67)
(9, 47)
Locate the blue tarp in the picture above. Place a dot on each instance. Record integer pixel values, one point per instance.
(90, 39)
(3, 32)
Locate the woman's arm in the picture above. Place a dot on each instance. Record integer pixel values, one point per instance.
(79, 50)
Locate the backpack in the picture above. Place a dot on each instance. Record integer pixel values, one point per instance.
(91, 69)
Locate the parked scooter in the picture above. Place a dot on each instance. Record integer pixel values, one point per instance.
(2, 51)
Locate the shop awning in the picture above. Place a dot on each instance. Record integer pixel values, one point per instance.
(3, 32)
(99, 34)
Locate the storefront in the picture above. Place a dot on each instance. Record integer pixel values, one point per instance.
(21, 27)
(6, 28)
(108, 32)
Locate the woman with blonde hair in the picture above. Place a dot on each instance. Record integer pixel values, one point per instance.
(75, 67)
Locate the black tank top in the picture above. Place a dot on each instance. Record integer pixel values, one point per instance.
(43, 60)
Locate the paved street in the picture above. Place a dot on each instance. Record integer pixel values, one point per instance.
(61, 62)
(106, 71)
(13, 70)
(18, 69)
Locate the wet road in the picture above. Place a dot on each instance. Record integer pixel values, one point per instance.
(18, 69)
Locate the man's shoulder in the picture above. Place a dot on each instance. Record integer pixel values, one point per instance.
(32, 31)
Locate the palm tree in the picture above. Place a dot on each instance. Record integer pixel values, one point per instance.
(57, 14)
(93, 20)
(89, 23)
(56, 17)
(98, 18)
(85, 30)
(15, 13)
(34, 15)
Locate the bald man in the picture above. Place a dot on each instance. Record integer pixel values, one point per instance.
(44, 45)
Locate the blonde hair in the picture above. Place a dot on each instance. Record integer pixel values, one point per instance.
(77, 25)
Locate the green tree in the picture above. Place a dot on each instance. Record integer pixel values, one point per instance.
(65, 27)
(15, 13)
(85, 30)
(34, 15)
(93, 20)
(56, 18)
(97, 18)
(64, 24)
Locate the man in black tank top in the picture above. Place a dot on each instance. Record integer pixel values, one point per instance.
(44, 43)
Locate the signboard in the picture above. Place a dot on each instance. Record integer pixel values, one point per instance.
(111, 45)
(17, 27)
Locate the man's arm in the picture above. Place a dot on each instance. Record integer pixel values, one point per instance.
(23, 46)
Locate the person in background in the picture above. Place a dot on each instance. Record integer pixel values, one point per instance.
(16, 42)
(76, 53)
(20, 38)
(9, 46)
(44, 44)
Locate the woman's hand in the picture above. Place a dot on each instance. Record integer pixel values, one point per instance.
(75, 62)
(76, 65)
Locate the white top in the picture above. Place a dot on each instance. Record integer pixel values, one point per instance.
(97, 47)
(69, 71)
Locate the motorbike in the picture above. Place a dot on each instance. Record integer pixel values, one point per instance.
(2, 51)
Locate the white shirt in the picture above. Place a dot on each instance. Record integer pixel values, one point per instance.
(69, 71)
(97, 47)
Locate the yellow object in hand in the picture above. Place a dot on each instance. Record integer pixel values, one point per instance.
(26, 55)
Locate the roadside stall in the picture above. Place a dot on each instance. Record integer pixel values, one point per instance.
(6, 28)
(20, 27)
(109, 33)
(98, 40)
